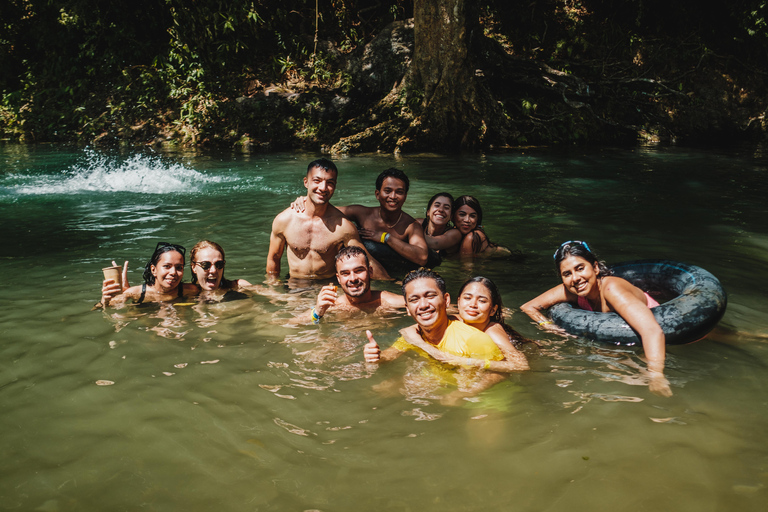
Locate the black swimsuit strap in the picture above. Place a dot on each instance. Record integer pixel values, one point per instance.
(181, 290)
(143, 292)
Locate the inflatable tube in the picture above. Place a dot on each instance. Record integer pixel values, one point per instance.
(395, 265)
(692, 302)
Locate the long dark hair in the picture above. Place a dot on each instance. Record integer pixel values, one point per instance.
(477, 240)
(425, 222)
(582, 250)
(515, 337)
(162, 247)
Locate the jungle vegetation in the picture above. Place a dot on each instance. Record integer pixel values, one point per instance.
(377, 75)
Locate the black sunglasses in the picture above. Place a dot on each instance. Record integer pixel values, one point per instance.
(205, 265)
(179, 248)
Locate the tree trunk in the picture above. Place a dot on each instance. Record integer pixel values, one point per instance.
(456, 109)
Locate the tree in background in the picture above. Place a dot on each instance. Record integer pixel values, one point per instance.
(249, 71)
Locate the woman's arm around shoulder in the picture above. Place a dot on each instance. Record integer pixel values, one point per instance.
(446, 241)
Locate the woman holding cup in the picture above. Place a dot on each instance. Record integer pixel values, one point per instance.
(162, 279)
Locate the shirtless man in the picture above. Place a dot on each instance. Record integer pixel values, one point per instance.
(317, 234)
(353, 271)
(388, 223)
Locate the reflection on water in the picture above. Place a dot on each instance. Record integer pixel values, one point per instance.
(229, 406)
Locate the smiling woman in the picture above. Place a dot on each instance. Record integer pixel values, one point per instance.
(438, 232)
(589, 284)
(468, 218)
(162, 279)
(207, 263)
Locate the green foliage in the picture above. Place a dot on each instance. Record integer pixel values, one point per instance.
(528, 107)
(78, 69)
(86, 69)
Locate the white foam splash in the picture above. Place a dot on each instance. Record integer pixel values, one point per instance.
(140, 174)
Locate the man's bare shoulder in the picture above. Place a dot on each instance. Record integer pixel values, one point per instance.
(283, 219)
(332, 213)
(410, 222)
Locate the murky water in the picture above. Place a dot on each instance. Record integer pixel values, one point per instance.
(224, 407)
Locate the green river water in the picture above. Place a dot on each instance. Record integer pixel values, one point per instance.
(223, 407)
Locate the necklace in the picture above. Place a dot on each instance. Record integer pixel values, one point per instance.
(390, 226)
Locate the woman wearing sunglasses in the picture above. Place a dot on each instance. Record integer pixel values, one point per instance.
(588, 284)
(207, 262)
(162, 280)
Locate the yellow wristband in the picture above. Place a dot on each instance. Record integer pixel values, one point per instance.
(487, 364)
(545, 323)
(383, 236)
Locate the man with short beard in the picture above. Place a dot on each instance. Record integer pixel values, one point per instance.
(353, 272)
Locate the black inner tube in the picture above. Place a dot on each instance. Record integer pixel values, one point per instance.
(395, 265)
(692, 301)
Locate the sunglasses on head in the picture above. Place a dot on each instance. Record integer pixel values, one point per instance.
(179, 248)
(572, 242)
(205, 265)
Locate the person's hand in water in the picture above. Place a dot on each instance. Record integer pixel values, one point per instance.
(550, 326)
(658, 384)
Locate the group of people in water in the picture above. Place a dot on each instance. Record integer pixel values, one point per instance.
(357, 244)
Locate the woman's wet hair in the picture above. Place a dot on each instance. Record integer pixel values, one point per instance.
(581, 250)
(472, 202)
(429, 205)
(425, 273)
(160, 249)
(207, 244)
(515, 337)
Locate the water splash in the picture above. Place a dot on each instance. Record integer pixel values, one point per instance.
(141, 174)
